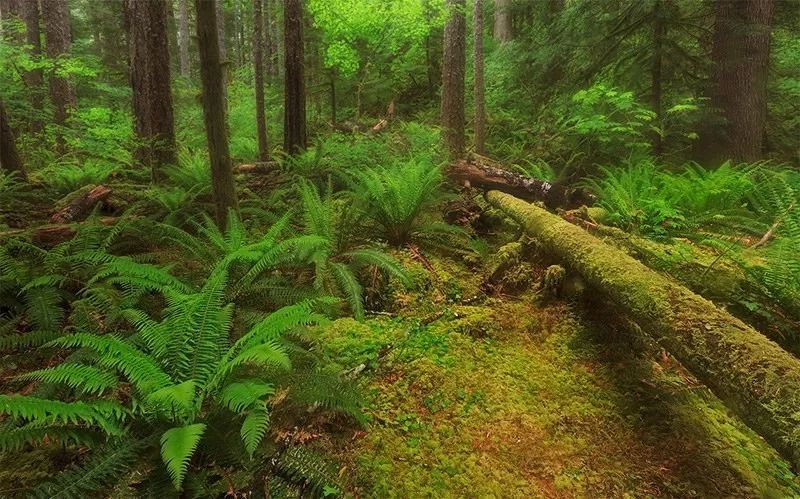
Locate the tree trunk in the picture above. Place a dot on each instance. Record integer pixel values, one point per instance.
(479, 90)
(267, 26)
(183, 34)
(294, 116)
(333, 97)
(55, 14)
(211, 72)
(150, 82)
(453, 69)
(258, 68)
(753, 376)
(273, 29)
(741, 57)
(9, 156)
(659, 32)
(502, 21)
(34, 80)
(219, 12)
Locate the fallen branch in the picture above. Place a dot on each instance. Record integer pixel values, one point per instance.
(754, 376)
(81, 205)
(259, 167)
(48, 236)
(771, 232)
(483, 173)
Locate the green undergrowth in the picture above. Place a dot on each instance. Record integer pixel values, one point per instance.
(511, 398)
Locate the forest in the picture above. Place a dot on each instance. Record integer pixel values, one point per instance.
(399, 248)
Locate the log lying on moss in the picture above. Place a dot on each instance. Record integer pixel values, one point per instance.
(79, 204)
(483, 173)
(755, 377)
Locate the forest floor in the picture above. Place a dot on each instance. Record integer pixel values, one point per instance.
(517, 397)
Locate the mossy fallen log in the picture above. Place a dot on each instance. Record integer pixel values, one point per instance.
(754, 376)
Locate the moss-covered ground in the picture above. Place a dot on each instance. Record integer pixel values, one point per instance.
(514, 397)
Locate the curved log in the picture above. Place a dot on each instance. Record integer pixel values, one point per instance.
(753, 376)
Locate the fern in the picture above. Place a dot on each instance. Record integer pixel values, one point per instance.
(177, 447)
(255, 427)
(85, 379)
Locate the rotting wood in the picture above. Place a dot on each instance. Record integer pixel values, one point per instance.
(754, 376)
(81, 206)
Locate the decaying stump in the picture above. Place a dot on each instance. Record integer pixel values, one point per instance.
(81, 205)
(755, 377)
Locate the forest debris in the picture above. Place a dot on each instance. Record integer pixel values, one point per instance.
(484, 173)
(771, 232)
(81, 204)
(257, 167)
(753, 376)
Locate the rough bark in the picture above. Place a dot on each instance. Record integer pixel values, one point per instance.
(267, 26)
(273, 29)
(258, 69)
(9, 156)
(150, 82)
(294, 116)
(34, 80)
(183, 35)
(81, 204)
(741, 59)
(659, 32)
(453, 70)
(479, 89)
(58, 40)
(219, 12)
(754, 376)
(502, 21)
(482, 173)
(211, 73)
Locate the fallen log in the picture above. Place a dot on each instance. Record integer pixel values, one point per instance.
(81, 204)
(483, 173)
(258, 167)
(755, 377)
(47, 236)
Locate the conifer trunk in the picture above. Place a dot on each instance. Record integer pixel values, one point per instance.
(211, 73)
(183, 33)
(453, 69)
(479, 89)
(150, 82)
(659, 32)
(502, 21)
(58, 40)
(258, 69)
(742, 33)
(294, 121)
(10, 160)
(34, 79)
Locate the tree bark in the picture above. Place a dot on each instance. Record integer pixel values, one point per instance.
(219, 12)
(81, 205)
(502, 21)
(58, 40)
(453, 69)
(273, 29)
(183, 34)
(753, 376)
(479, 89)
(294, 116)
(10, 160)
(741, 58)
(211, 73)
(34, 79)
(659, 32)
(150, 82)
(258, 69)
(267, 26)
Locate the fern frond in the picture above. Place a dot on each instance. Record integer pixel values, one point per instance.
(350, 287)
(104, 414)
(177, 448)
(85, 379)
(241, 395)
(254, 427)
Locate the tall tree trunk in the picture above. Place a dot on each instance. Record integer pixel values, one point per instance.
(478, 89)
(58, 39)
(34, 80)
(150, 82)
(219, 12)
(294, 116)
(502, 20)
(258, 68)
(453, 69)
(274, 29)
(659, 32)
(267, 24)
(741, 57)
(211, 73)
(9, 156)
(183, 34)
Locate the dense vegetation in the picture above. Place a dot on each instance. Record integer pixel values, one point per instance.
(245, 247)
